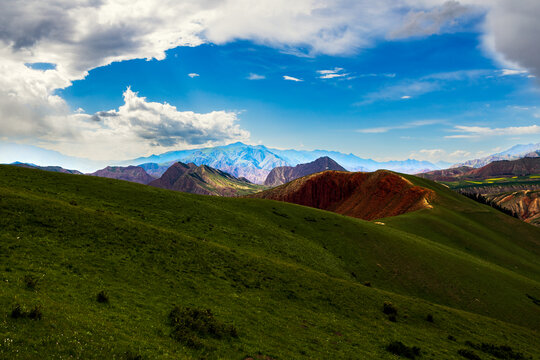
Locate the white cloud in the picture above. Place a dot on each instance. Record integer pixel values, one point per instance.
(431, 21)
(479, 131)
(291, 78)
(409, 125)
(326, 72)
(509, 72)
(404, 90)
(141, 127)
(331, 74)
(193, 75)
(253, 76)
(435, 155)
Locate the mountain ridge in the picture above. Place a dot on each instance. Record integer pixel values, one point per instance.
(203, 180)
(284, 174)
(128, 173)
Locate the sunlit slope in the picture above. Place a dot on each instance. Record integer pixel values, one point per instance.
(290, 278)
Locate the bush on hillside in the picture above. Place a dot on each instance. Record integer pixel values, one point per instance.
(504, 352)
(189, 325)
(30, 282)
(468, 354)
(389, 309)
(18, 312)
(400, 349)
(102, 297)
(35, 313)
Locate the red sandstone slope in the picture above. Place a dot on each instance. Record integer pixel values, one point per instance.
(366, 196)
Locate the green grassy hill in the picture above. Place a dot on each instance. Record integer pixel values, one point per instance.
(291, 280)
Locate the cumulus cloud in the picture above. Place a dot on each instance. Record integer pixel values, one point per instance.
(291, 78)
(480, 131)
(193, 75)
(142, 127)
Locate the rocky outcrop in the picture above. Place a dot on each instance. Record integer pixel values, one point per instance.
(203, 180)
(284, 174)
(525, 204)
(128, 173)
(366, 196)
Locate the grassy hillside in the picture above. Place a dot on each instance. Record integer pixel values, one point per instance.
(290, 279)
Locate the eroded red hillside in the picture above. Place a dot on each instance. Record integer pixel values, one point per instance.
(366, 196)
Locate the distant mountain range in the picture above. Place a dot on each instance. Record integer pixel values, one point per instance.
(255, 162)
(203, 180)
(47, 168)
(515, 152)
(504, 168)
(284, 174)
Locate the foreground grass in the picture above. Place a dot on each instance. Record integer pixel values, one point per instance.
(289, 278)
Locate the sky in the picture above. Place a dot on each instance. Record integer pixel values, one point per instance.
(389, 80)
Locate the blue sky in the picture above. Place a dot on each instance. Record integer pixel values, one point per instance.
(383, 103)
(434, 80)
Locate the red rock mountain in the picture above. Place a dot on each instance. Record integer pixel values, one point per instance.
(521, 167)
(505, 168)
(366, 196)
(284, 174)
(128, 173)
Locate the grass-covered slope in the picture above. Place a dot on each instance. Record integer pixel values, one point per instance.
(290, 279)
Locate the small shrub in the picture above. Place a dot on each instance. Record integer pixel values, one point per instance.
(17, 312)
(189, 325)
(392, 318)
(500, 352)
(534, 300)
(389, 309)
(35, 313)
(468, 354)
(429, 318)
(400, 349)
(102, 297)
(132, 356)
(30, 282)
(451, 338)
(367, 283)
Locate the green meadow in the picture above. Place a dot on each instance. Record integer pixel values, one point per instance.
(95, 268)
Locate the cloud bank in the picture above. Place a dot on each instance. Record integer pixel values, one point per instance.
(140, 126)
